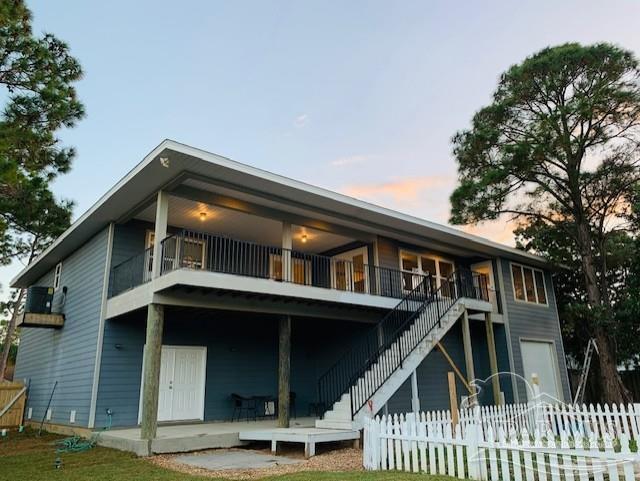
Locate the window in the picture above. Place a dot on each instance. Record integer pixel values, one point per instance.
(528, 284)
(56, 275)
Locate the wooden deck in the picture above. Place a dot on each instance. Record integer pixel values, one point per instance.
(308, 436)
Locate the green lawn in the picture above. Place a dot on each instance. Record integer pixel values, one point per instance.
(25, 457)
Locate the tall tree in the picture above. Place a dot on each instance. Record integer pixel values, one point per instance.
(37, 74)
(559, 146)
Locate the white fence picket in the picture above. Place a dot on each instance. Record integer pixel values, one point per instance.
(429, 443)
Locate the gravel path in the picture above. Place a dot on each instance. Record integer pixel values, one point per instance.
(330, 458)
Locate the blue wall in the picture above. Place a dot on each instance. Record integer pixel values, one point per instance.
(531, 321)
(242, 357)
(67, 355)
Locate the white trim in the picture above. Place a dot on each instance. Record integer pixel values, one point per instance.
(111, 192)
(100, 340)
(447, 234)
(349, 273)
(57, 274)
(204, 379)
(142, 295)
(505, 317)
(524, 285)
(419, 255)
(554, 360)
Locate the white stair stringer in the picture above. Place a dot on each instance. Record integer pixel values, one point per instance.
(339, 416)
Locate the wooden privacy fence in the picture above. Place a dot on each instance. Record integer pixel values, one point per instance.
(412, 443)
(584, 420)
(12, 401)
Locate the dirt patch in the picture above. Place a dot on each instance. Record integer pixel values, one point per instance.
(329, 457)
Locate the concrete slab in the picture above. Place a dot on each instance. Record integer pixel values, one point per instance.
(235, 460)
(182, 438)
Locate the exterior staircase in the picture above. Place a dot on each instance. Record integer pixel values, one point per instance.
(366, 377)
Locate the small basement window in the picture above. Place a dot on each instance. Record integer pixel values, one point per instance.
(528, 284)
(56, 275)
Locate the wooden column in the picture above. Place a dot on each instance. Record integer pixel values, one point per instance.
(151, 374)
(453, 397)
(493, 359)
(284, 371)
(160, 232)
(468, 352)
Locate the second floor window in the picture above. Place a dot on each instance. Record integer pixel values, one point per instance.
(57, 275)
(528, 284)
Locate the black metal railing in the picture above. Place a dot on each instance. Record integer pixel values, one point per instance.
(134, 271)
(373, 358)
(216, 253)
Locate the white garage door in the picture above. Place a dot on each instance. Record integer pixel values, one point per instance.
(539, 358)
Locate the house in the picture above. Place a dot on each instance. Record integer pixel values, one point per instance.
(196, 277)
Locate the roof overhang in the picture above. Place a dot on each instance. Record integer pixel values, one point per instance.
(142, 183)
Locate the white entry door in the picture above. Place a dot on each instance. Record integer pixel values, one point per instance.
(182, 383)
(539, 357)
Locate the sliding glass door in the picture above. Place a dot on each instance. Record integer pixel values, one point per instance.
(415, 266)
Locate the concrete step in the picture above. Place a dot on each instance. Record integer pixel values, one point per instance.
(328, 424)
(338, 415)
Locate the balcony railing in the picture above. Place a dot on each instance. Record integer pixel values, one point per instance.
(215, 253)
(131, 273)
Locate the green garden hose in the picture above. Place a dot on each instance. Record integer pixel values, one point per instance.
(76, 444)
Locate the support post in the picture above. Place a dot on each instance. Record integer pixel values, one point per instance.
(415, 397)
(468, 352)
(493, 359)
(151, 380)
(160, 232)
(287, 245)
(453, 398)
(284, 371)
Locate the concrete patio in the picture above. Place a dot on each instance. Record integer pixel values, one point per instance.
(180, 438)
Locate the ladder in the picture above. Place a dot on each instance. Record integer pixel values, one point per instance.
(592, 346)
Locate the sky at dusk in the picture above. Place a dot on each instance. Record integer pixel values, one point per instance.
(360, 97)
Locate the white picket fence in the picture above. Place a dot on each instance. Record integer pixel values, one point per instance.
(420, 444)
(574, 420)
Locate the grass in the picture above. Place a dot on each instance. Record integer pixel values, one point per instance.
(26, 457)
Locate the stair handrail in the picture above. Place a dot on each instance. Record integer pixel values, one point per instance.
(423, 295)
(460, 283)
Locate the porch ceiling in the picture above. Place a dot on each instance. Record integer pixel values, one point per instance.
(186, 214)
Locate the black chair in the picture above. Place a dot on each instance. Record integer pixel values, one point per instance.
(243, 404)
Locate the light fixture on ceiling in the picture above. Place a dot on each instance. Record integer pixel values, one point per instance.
(304, 238)
(203, 216)
(164, 161)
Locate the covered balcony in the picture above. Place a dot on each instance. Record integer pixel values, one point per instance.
(203, 238)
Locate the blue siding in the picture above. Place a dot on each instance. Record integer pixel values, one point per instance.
(129, 240)
(242, 357)
(67, 354)
(530, 321)
(433, 386)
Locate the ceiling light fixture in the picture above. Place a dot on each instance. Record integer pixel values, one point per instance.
(203, 215)
(304, 238)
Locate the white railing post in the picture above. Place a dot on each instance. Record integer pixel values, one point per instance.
(160, 232)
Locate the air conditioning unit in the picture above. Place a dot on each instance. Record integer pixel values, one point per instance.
(39, 300)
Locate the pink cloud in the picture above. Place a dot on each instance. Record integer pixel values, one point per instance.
(400, 191)
(500, 230)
